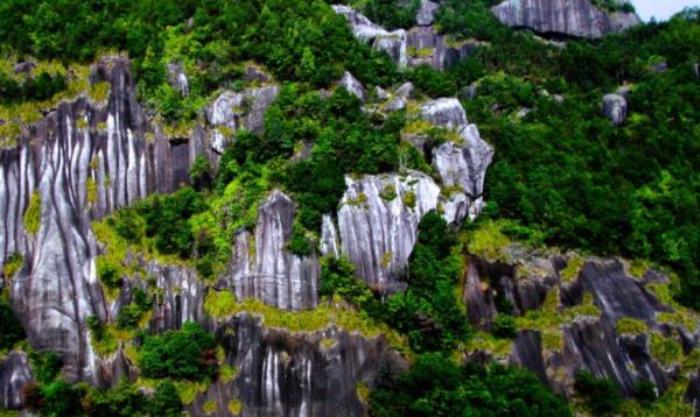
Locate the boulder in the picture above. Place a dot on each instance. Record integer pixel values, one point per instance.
(615, 108)
(405, 90)
(352, 85)
(15, 374)
(426, 13)
(178, 79)
(576, 18)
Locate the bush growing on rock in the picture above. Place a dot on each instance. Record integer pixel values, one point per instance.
(12, 330)
(602, 395)
(181, 354)
(436, 387)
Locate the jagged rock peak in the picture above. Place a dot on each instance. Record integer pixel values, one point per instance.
(578, 18)
(263, 268)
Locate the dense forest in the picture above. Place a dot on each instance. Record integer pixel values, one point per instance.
(562, 176)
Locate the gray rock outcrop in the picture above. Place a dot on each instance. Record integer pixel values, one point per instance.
(615, 108)
(416, 46)
(305, 375)
(577, 18)
(263, 268)
(464, 164)
(15, 374)
(426, 13)
(353, 86)
(378, 221)
(79, 163)
(393, 43)
(232, 111)
(590, 338)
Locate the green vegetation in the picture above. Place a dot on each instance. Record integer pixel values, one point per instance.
(437, 387)
(628, 326)
(12, 330)
(602, 396)
(223, 304)
(32, 216)
(12, 265)
(182, 354)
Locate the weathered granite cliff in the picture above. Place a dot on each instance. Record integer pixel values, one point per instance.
(578, 18)
(575, 314)
(413, 47)
(263, 268)
(285, 374)
(81, 162)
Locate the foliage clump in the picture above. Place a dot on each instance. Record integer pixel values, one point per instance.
(181, 354)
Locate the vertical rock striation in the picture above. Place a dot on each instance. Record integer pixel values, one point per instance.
(578, 18)
(416, 46)
(378, 221)
(14, 376)
(301, 375)
(82, 161)
(263, 268)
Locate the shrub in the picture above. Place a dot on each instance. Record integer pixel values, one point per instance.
(12, 330)
(182, 354)
(435, 386)
(602, 396)
(504, 326)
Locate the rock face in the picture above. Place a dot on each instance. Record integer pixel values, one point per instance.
(304, 375)
(577, 18)
(378, 221)
(232, 111)
(262, 267)
(393, 43)
(417, 46)
(461, 165)
(14, 376)
(426, 13)
(590, 338)
(615, 108)
(353, 86)
(79, 163)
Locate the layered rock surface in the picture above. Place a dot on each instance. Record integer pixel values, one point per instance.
(14, 376)
(579, 336)
(578, 18)
(263, 268)
(285, 374)
(79, 163)
(416, 46)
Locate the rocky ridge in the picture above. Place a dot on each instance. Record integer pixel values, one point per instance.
(575, 18)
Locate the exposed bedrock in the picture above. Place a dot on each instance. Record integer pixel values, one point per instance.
(378, 222)
(14, 376)
(577, 18)
(615, 108)
(263, 268)
(79, 163)
(461, 165)
(300, 375)
(589, 339)
(416, 46)
(232, 111)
